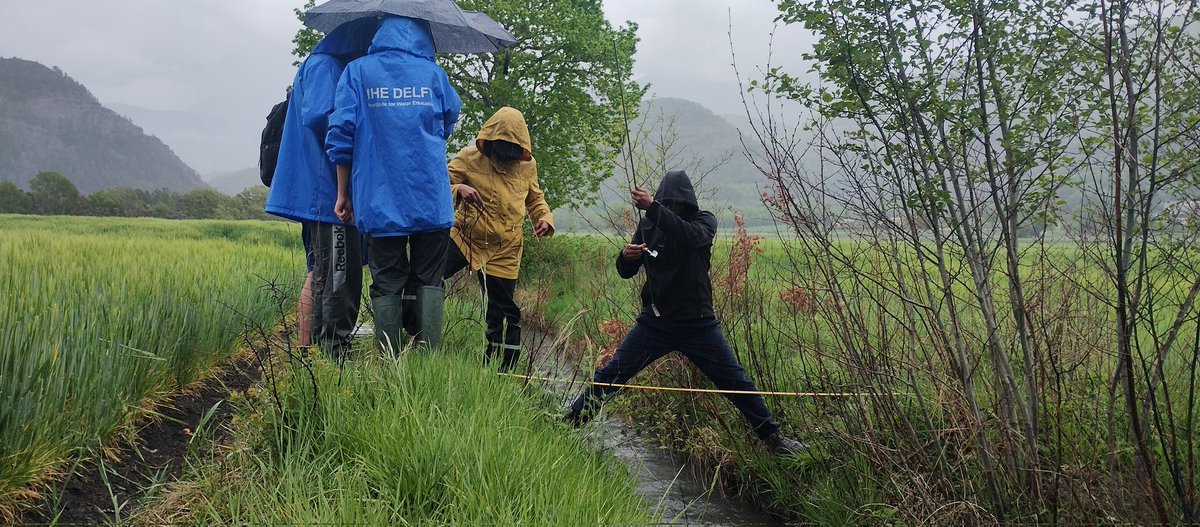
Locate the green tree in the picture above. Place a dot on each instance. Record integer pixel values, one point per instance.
(246, 205)
(160, 203)
(14, 200)
(566, 75)
(200, 204)
(121, 201)
(51, 193)
(306, 38)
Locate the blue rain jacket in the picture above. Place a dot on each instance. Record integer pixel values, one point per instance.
(305, 184)
(395, 109)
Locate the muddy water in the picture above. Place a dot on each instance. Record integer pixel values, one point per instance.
(667, 480)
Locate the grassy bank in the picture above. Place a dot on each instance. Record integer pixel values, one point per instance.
(908, 448)
(103, 316)
(430, 439)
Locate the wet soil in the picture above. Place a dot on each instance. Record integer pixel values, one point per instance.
(103, 491)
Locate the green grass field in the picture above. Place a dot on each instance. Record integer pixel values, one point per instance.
(894, 452)
(102, 317)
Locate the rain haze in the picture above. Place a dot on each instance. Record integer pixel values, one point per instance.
(202, 75)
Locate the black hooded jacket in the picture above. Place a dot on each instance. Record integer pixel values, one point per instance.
(677, 286)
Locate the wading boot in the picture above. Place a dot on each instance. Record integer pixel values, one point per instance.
(782, 445)
(411, 318)
(512, 346)
(492, 351)
(582, 409)
(338, 351)
(509, 349)
(431, 302)
(387, 324)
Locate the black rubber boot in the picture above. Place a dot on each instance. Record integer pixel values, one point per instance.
(411, 318)
(493, 350)
(512, 347)
(388, 313)
(431, 302)
(583, 409)
(782, 445)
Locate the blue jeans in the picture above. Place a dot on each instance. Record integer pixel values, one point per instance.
(703, 345)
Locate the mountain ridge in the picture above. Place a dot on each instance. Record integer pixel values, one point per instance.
(50, 122)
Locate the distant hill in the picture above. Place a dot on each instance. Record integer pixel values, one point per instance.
(710, 144)
(235, 182)
(675, 134)
(50, 122)
(207, 139)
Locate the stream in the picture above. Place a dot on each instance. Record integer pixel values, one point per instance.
(667, 480)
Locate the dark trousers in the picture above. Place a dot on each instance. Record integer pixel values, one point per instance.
(503, 314)
(407, 262)
(336, 252)
(704, 346)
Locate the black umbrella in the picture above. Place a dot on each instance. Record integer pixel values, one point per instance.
(454, 30)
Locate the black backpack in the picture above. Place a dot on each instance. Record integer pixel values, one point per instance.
(272, 135)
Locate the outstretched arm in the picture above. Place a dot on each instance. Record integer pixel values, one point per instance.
(696, 232)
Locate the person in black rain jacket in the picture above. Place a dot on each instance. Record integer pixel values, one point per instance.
(673, 243)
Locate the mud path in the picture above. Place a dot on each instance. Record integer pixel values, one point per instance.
(107, 492)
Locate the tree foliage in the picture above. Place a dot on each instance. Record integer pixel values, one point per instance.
(121, 202)
(306, 38)
(943, 131)
(201, 203)
(566, 74)
(14, 200)
(51, 193)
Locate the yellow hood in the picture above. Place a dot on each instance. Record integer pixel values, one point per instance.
(507, 124)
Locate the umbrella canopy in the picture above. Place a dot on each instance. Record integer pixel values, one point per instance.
(484, 24)
(454, 30)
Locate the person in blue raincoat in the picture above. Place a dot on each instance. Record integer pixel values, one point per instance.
(395, 110)
(305, 189)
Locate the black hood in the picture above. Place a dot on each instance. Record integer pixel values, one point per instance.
(676, 187)
(677, 286)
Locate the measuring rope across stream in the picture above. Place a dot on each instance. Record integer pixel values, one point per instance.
(704, 390)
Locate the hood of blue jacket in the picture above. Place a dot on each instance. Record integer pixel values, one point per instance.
(403, 34)
(353, 37)
(305, 185)
(395, 109)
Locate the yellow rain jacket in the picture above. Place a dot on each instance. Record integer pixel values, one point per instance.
(492, 239)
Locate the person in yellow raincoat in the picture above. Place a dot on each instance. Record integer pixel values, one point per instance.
(495, 184)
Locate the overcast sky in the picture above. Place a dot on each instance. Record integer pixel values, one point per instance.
(230, 60)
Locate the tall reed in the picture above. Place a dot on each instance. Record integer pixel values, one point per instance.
(101, 317)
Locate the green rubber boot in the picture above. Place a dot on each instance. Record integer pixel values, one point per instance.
(387, 324)
(431, 301)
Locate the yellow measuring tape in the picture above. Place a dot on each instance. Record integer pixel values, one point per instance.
(702, 390)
